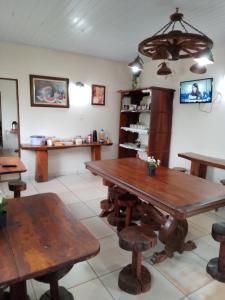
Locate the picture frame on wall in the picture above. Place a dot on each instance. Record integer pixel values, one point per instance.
(46, 91)
(98, 94)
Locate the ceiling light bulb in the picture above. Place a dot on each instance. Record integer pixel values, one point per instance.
(135, 69)
(136, 65)
(203, 61)
(204, 58)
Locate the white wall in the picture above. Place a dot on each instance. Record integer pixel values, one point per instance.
(194, 130)
(9, 114)
(81, 118)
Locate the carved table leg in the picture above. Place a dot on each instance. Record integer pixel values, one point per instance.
(106, 204)
(173, 234)
(18, 291)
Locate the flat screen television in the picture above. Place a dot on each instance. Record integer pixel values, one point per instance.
(196, 91)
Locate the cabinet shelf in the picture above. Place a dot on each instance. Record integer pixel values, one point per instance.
(157, 120)
(133, 146)
(135, 111)
(135, 130)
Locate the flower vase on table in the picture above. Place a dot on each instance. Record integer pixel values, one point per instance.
(3, 212)
(152, 164)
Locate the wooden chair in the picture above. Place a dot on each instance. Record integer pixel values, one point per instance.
(135, 278)
(216, 266)
(17, 186)
(55, 292)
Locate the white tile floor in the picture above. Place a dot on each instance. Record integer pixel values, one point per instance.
(181, 277)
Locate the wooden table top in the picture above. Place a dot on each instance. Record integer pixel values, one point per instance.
(46, 147)
(41, 236)
(204, 160)
(178, 194)
(11, 160)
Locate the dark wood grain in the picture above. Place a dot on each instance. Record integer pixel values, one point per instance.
(11, 160)
(44, 236)
(178, 194)
(41, 237)
(8, 270)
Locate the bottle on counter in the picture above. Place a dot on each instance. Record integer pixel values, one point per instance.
(78, 140)
(89, 138)
(95, 136)
(102, 136)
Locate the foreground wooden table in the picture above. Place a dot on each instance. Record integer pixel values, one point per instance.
(11, 165)
(41, 237)
(178, 194)
(199, 163)
(41, 170)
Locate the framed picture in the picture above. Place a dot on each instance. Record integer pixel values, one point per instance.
(49, 91)
(98, 94)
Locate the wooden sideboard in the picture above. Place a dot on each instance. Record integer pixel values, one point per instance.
(41, 168)
(199, 163)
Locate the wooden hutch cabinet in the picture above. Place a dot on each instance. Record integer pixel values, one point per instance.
(145, 123)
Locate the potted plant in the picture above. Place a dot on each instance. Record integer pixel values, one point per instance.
(3, 212)
(152, 164)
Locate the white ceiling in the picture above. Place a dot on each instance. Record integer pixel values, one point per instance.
(104, 28)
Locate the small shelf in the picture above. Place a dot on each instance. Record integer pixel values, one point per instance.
(133, 147)
(135, 111)
(136, 130)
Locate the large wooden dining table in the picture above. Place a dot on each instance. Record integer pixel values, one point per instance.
(177, 194)
(41, 237)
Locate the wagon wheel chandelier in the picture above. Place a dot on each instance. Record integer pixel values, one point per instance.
(171, 43)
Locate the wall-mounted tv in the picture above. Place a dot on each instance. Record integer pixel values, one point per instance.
(196, 91)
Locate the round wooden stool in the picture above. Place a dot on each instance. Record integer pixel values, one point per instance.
(222, 181)
(180, 169)
(135, 278)
(117, 216)
(129, 202)
(55, 292)
(17, 186)
(216, 266)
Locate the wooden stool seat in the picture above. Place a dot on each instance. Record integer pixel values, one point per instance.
(17, 186)
(218, 232)
(180, 169)
(135, 278)
(222, 181)
(116, 220)
(137, 238)
(216, 266)
(56, 292)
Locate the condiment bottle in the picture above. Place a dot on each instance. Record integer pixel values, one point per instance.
(102, 136)
(95, 137)
(89, 138)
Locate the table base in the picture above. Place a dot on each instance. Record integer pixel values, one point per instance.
(131, 284)
(63, 295)
(213, 269)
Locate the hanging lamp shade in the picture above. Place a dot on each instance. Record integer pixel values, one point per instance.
(197, 69)
(163, 70)
(205, 57)
(136, 65)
